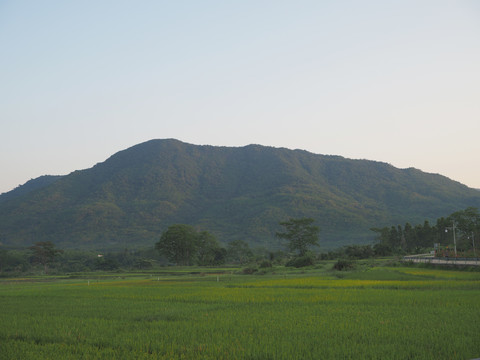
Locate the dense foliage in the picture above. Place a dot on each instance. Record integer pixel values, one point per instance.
(414, 239)
(16, 262)
(208, 252)
(238, 252)
(300, 234)
(183, 245)
(30, 186)
(44, 253)
(235, 193)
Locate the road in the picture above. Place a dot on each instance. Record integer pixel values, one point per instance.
(443, 261)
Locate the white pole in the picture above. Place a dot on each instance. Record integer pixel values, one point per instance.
(454, 240)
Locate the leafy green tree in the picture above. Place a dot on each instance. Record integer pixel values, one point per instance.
(106, 263)
(382, 249)
(238, 252)
(300, 234)
(441, 237)
(14, 260)
(183, 245)
(425, 235)
(467, 220)
(179, 244)
(382, 235)
(4, 259)
(420, 237)
(467, 224)
(359, 251)
(220, 256)
(44, 253)
(143, 264)
(209, 251)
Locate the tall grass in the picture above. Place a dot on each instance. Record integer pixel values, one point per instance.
(432, 315)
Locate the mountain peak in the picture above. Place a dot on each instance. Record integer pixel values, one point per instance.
(234, 192)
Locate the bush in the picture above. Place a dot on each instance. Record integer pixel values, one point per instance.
(143, 264)
(106, 264)
(265, 264)
(249, 271)
(301, 261)
(343, 265)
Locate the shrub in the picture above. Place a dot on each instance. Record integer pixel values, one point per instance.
(301, 261)
(343, 265)
(249, 271)
(265, 264)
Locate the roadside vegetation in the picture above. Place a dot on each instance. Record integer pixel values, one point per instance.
(452, 236)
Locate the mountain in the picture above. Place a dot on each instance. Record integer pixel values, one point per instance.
(235, 193)
(29, 186)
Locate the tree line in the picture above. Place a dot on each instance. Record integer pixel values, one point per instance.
(458, 231)
(183, 245)
(179, 244)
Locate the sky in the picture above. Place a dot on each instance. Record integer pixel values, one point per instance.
(390, 81)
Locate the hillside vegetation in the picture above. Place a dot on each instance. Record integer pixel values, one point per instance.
(235, 193)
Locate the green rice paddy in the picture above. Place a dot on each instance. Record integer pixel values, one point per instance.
(382, 313)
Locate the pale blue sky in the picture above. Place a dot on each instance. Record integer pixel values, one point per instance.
(392, 81)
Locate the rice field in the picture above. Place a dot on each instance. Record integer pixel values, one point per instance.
(383, 313)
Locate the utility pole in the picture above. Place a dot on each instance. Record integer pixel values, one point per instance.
(454, 239)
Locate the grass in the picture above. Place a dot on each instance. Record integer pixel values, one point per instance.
(381, 313)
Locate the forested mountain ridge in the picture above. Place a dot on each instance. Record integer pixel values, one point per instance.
(235, 193)
(29, 186)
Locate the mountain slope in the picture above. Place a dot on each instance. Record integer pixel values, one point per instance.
(30, 186)
(236, 193)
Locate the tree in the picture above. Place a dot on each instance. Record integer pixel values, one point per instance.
(183, 245)
(382, 249)
(44, 253)
(300, 233)
(420, 237)
(467, 223)
(178, 244)
(359, 251)
(209, 251)
(12, 260)
(239, 252)
(106, 263)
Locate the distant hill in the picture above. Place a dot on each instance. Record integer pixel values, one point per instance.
(236, 193)
(29, 186)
